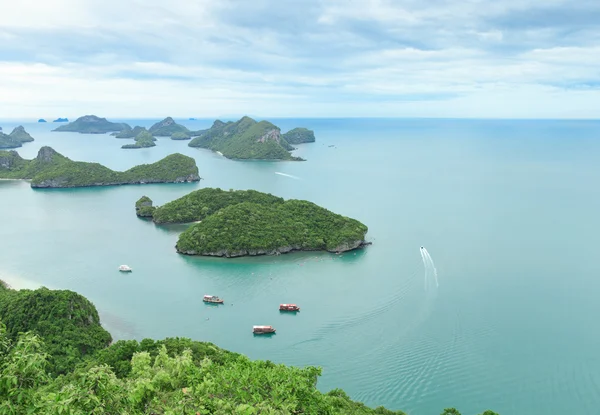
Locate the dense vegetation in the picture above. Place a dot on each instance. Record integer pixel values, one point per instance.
(245, 139)
(90, 124)
(67, 321)
(129, 133)
(142, 140)
(201, 203)
(51, 169)
(253, 229)
(172, 376)
(299, 136)
(181, 135)
(144, 208)
(167, 127)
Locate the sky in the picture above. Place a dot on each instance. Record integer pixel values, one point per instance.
(300, 58)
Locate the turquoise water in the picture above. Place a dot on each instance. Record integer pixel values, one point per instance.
(508, 211)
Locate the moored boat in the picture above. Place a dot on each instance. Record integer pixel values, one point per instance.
(288, 307)
(212, 299)
(125, 268)
(263, 329)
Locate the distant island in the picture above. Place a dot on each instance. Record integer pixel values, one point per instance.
(191, 119)
(143, 140)
(246, 139)
(61, 120)
(42, 120)
(128, 132)
(299, 136)
(91, 124)
(15, 139)
(167, 127)
(53, 170)
(247, 222)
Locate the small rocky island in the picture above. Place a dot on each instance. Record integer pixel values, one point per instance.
(61, 120)
(143, 140)
(53, 170)
(90, 124)
(15, 139)
(248, 139)
(299, 136)
(247, 222)
(167, 127)
(41, 120)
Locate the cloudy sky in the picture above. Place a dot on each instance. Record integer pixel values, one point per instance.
(319, 58)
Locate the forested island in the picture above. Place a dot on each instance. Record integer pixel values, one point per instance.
(143, 140)
(248, 139)
(53, 170)
(247, 222)
(55, 358)
(91, 124)
(129, 132)
(15, 139)
(167, 127)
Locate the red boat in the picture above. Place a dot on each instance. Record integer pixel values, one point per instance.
(288, 307)
(263, 329)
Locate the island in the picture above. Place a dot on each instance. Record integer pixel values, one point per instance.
(53, 170)
(181, 135)
(15, 139)
(166, 128)
(143, 140)
(42, 120)
(91, 124)
(60, 356)
(247, 222)
(61, 120)
(299, 136)
(129, 133)
(144, 208)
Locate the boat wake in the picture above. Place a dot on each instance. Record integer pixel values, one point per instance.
(288, 175)
(431, 277)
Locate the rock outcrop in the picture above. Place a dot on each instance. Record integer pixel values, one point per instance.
(144, 208)
(20, 134)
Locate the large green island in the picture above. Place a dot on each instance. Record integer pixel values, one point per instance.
(15, 139)
(247, 222)
(248, 139)
(53, 170)
(56, 358)
(91, 124)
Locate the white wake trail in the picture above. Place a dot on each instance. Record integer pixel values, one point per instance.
(430, 261)
(287, 175)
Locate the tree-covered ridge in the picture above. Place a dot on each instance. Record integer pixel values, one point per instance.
(67, 321)
(51, 169)
(199, 204)
(91, 124)
(167, 127)
(253, 229)
(245, 139)
(299, 136)
(181, 135)
(6, 141)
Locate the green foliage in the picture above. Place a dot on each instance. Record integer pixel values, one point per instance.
(204, 202)
(144, 208)
(450, 411)
(167, 127)
(50, 169)
(245, 139)
(181, 135)
(129, 133)
(90, 124)
(21, 135)
(250, 228)
(299, 136)
(67, 321)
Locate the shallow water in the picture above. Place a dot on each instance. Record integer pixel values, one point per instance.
(508, 211)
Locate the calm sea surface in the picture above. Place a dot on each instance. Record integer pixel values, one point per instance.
(508, 210)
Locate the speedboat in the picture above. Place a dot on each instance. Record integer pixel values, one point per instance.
(125, 268)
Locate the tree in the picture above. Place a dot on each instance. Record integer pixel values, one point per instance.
(450, 411)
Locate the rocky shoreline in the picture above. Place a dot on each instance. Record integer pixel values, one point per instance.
(59, 184)
(278, 251)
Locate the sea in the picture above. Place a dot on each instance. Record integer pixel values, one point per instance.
(499, 310)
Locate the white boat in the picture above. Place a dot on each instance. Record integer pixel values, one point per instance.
(125, 268)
